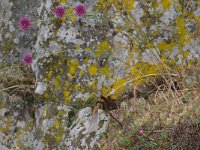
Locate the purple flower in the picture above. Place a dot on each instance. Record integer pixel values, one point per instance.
(24, 23)
(59, 11)
(141, 132)
(136, 88)
(80, 10)
(27, 59)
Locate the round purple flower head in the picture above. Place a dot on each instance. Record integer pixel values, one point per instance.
(141, 132)
(27, 59)
(59, 11)
(80, 9)
(24, 23)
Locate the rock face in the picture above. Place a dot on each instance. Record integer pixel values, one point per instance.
(53, 128)
(68, 130)
(79, 59)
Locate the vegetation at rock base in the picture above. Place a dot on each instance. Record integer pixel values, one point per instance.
(134, 61)
(170, 118)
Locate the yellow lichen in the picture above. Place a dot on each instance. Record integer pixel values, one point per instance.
(105, 90)
(166, 4)
(73, 66)
(58, 137)
(67, 100)
(163, 46)
(57, 124)
(92, 69)
(66, 93)
(57, 84)
(128, 4)
(102, 48)
(63, 1)
(118, 87)
(105, 71)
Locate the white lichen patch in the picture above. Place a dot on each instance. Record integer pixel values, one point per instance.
(69, 36)
(87, 126)
(5, 11)
(169, 15)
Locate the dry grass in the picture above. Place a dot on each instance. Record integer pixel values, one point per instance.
(17, 84)
(169, 114)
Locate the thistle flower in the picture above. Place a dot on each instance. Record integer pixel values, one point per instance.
(24, 23)
(141, 132)
(80, 9)
(27, 59)
(59, 11)
(136, 88)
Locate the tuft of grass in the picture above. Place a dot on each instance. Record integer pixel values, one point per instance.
(18, 84)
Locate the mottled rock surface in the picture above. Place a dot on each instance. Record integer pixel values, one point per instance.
(79, 59)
